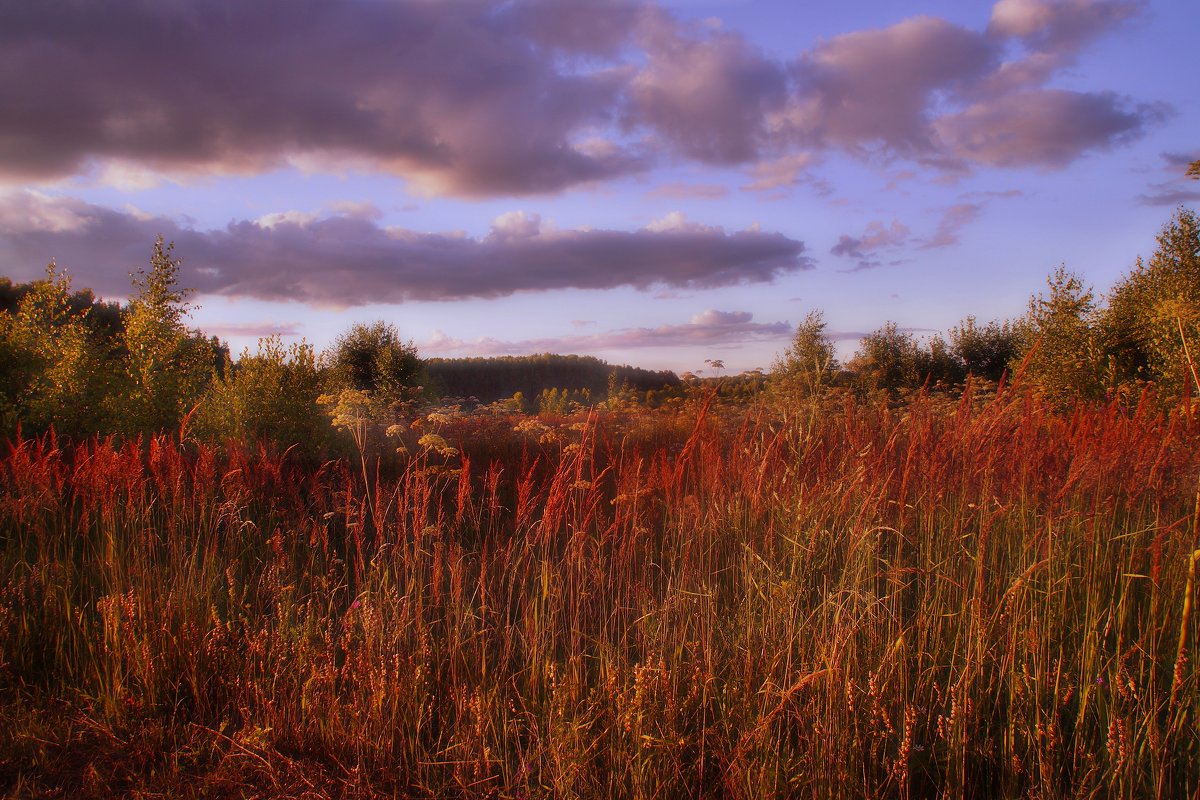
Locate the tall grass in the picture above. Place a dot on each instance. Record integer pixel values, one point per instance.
(954, 600)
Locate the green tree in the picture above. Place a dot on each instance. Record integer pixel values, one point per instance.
(808, 362)
(373, 379)
(983, 351)
(52, 371)
(1059, 344)
(373, 358)
(1151, 327)
(270, 394)
(887, 358)
(166, 364)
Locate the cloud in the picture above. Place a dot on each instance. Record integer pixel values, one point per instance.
(1045, 128)
(783, 173)
(1163, 195)
(689, 191)
(458, 96)
(1178, 188)
(874, 87)
(951, 98)
(489, 98)
(347, 260)
(708, 328)
(260, 330)
(1179, 162)
(707, 93)
(877, 236)
(953, 220)
(1059, 25)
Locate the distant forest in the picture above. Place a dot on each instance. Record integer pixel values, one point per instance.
(500, 378)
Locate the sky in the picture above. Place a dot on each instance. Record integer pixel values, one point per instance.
(655, 184)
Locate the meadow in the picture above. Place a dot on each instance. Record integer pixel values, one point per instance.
(834, 597)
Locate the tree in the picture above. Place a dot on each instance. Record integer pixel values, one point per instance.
(809, 360)
(270, 394)
(373, 380)
(1151, 326)
(887, 358)
(372, 358)
(166, 365)
(1058, 341)
(983, 351)
(52, 370)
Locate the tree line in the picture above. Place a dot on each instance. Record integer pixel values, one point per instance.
(83, 366)
(1070, 344)
(502, 377)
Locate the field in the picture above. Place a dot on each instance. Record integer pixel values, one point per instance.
(975, 598)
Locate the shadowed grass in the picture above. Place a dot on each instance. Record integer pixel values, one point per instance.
(942, 599)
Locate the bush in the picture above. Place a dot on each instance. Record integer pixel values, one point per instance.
(271, 394)
(51, 366)
(1151, 328)
(166, 365)
(984, 352)
(808, 362)
(1059, 341)
(372, 358)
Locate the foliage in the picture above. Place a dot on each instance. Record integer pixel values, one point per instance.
(563, 401)
(1152, 322)
(105, 318)
(1059, 347)
(372, 358)
(808, 363)
(498, 378)
(887, 358)
(267, 395)
(166, 366)
(984, 352)
(50, 362)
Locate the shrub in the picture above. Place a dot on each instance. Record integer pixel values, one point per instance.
(808, 362)
(166, 366)
(1151, 328)
(51, 366)
(270, 394)
(1058, 341)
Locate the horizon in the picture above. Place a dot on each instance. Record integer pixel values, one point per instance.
(654, 185)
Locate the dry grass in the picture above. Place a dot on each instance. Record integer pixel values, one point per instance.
(954, 600)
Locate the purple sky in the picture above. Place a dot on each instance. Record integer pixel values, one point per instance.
(652, 184)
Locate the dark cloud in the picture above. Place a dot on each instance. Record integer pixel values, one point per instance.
(590, 27)
(483, 97)
(709, 328)
(950, 98)
(708, 93)
(347, 260)
(877, 87)
(457, 94)
(1046, 128)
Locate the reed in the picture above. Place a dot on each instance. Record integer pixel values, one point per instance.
(950, 599)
